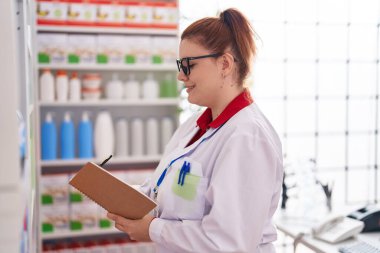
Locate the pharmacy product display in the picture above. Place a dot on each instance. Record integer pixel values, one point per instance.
(75, 87)
(47, 86)
(132, 88)
(104, 50)
(48, 138)
(108, 13)
(57, 87)
(104, 135)
(65, 209)
(122, 139)
(106, 85)
(114, 88)
(67, 138)
(85, 139)
(101, 246)
(62, 86)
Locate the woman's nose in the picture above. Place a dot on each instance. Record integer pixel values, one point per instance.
(181, 76)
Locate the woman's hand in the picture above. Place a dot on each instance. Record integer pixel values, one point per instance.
(137, 230)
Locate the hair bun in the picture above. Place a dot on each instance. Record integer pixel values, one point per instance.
(225, 17)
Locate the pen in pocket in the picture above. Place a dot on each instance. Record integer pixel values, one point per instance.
(184, 170)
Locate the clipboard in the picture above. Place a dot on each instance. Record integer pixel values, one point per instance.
(110, 193)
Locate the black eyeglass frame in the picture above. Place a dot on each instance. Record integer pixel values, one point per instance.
(186, 69)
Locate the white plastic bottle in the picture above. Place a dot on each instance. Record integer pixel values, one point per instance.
(152, 137)
(47, 88)
(137, 131)
(114, 88)
(167, 130)
(104, 136)
(132, 88)
(62, 85)
(122, 138)
(74, 87)
(151, 89)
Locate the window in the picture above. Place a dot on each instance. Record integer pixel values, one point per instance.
(317, 77)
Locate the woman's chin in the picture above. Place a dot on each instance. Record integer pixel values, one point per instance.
(195, 101)
(191, 99)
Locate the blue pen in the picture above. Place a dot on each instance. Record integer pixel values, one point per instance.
(181, 172)
(184, 170)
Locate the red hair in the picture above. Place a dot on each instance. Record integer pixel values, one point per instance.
(230, 30)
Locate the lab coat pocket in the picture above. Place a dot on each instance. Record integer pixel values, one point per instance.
(190, 197)
(188, 190)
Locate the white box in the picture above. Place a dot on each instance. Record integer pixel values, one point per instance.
(55, 218)
(138, 49)
(54, 189)
(83, 216)
(76, 196)
(111, 49)
(52, 11)
(81, 12)
(138, 14)
(52, 48)
(164, 50)
(81, 49)
(165, 15)
(104, 222)
(110, 14)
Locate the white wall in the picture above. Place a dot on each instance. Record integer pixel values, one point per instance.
(10, 186)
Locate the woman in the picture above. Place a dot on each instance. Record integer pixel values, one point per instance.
(219, 181)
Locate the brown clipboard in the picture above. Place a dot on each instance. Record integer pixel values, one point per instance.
(110, 193)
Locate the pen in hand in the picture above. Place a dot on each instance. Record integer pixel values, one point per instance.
(105, 161)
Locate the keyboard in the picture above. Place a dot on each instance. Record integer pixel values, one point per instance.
(360, 247)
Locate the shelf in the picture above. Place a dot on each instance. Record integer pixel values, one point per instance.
(71, 234)
(121, 102)
(111, 30)
(110, 67)
(114, 160)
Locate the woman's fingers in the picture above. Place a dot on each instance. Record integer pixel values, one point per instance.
(118, 219)
(120, 227)
(121, 224)
(123, 229)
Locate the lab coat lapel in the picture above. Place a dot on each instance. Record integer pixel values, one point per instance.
(187, 138)
(182, 149)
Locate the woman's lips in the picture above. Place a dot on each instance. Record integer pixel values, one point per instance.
(189, 88)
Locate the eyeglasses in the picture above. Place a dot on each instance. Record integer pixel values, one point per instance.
(186, 67)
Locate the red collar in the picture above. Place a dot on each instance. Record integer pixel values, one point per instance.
(242, 100)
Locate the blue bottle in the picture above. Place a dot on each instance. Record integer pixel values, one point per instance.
(67, 138)
(48, 139)
(85, 136)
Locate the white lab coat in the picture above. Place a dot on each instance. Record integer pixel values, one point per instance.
(240, 169)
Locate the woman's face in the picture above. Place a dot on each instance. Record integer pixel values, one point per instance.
(203, 82)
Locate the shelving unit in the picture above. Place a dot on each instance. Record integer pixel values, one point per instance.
(17, 173)
(110, 67)
(80, 234)
(122, 108)
(116, 160)
(106, 30)
(109, 103)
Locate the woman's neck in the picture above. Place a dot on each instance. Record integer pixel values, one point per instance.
(226, 98)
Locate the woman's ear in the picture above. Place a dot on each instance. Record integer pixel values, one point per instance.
(226, 63)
